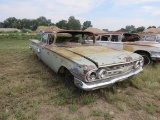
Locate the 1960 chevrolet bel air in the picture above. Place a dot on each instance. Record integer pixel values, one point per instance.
(85, 66)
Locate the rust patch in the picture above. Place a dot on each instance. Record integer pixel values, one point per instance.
(128, 48)
(41, 43)
(63, 52)
(90, 49)
(88, 68)
(128, 58)
(48, 46)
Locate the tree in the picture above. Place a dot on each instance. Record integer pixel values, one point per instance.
(62, 24)
(86, 25)
(73, 24)
(1, 24)
(10, 23)
(140, 29)
(42, 21)
(130, 28)
(151, 27)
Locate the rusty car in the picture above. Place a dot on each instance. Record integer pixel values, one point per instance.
(85, 66)
(150, 51)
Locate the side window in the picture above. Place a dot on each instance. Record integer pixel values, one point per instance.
(114, 38)
(105, 38)
(44, 38)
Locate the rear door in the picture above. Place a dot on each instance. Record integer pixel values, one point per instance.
(111, 41)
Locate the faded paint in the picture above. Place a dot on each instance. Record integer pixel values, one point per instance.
(142, 43)
(152, 48)
(81, 59)
(128, 48)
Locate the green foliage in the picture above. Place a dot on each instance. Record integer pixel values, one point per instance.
(86, 25)
(130, 28)
(73, 24)
(62, 24)
(26, 30)
(32, 24)
(140, 29)
(151, 27)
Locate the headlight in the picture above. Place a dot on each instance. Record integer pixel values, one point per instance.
(137, 65)
(91, 76)
(142, 62)
(102, 74)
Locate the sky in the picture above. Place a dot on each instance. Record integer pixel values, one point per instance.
(103, 14)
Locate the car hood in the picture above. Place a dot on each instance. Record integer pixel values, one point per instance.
(102, 56)
(144, 43)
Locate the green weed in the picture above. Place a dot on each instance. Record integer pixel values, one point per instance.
(107, 116)
(4, 115)
(97, 112)
(151, 108)
(19, 114)
(87, 98)
(121, 105)
(73, 108)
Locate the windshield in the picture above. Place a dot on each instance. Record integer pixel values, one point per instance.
(74, 38)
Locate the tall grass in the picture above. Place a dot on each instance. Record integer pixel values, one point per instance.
(30, 90)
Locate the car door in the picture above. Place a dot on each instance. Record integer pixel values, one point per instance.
(113, 41)
(49, 55)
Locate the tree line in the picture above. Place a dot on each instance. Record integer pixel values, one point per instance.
(32, 24)
(71, 24)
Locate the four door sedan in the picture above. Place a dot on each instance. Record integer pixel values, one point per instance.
(87, 66)
(131, 42)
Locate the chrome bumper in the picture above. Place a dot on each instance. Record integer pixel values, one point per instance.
(155, 56)
(104, 83)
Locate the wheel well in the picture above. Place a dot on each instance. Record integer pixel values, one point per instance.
(141, 51)
(62, 70)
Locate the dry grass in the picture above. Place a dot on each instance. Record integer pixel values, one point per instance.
(30, 90)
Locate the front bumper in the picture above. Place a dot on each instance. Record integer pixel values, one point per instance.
(106, 82)
(155, 56)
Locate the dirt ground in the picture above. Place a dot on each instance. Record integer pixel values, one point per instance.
(30, 90)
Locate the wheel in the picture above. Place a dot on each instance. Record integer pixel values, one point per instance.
(146, 57)
(69, 80)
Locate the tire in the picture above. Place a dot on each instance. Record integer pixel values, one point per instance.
(69, 81)
(146, 57)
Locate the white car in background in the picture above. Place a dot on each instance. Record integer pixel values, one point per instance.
(150, 51)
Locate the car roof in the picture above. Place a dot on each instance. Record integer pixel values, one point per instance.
(67, 31)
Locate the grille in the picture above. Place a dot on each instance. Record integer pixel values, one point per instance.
(119, 69)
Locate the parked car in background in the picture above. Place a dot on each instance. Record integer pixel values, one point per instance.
(85, 66)
(131, 42)
(150, 37)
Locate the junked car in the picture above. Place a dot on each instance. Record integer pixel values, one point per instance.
(85, 66)
(150, 51)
